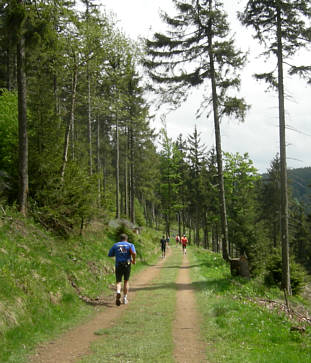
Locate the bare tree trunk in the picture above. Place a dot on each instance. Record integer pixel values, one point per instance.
(56, 98)
(153, 214)
(98, 164)
(284, 188)
(126, 179)
(205, 230)
(223, 212)
(70, 120)
(117, 170)
(214, 239)
(22, 125)
(132, 179)
(89, 118)
(8, 68)
(179, 224)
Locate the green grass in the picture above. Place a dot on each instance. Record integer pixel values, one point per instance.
(236, 329)
(37, 301)
(144, 332)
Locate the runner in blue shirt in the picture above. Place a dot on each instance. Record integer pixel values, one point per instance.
(125, 255)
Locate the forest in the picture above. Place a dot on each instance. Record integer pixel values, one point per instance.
(77, 145)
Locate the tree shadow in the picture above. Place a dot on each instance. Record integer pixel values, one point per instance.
(216, 286)
(183, 267)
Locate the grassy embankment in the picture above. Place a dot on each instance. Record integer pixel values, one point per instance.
(37, 300)
(238, 329)
(144, 333)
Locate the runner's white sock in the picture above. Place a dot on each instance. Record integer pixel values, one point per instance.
(119, 291)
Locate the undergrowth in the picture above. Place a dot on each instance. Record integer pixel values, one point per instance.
(238, 329)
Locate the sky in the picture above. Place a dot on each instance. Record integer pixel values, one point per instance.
(258, 135)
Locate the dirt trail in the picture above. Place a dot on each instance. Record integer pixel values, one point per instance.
(75, 344)
(188, 346)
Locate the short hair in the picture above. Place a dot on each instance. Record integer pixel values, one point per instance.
(123, 237)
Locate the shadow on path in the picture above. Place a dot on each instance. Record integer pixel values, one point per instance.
(185, 267)
(217, 286)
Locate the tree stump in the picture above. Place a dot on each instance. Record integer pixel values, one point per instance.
(239, 267)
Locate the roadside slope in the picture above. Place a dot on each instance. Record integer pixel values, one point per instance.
(239, 322)
(37, 269)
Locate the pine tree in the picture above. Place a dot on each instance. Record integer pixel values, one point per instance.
(198, 49)
(280, 26)
(196, 153)
(270, 201)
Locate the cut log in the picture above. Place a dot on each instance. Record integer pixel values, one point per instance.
(239, 267)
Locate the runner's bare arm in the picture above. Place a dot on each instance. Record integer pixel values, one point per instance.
(133, 255)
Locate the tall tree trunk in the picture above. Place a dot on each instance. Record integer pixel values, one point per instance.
(223, 212)
(126, 174)
(275, 232)
(22, 125)
(197, 226)
(70, 123)
(206, 244)
(132, 179)
(117, 170)
(98, 163)
(283, 166)
(179, 224)
(89, 118)
(56, 98)
(153, 220)
(8, 68)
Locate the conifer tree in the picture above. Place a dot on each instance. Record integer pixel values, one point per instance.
(270, 201)
(196, 153)
(183, 173)
(280, 25)
(198, 48)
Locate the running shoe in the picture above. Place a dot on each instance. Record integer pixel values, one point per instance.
(125, 301)
(118, 299)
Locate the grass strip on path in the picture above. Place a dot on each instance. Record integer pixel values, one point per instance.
(144, 332)
(237, 330)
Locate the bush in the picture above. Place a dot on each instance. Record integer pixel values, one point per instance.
(123, 228)
(273, 274)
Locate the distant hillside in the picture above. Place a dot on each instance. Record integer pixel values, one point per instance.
(300, 183)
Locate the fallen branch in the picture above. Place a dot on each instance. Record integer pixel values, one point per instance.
(284, 308)
(90, 301)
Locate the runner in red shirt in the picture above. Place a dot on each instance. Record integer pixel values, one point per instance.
(184, 242)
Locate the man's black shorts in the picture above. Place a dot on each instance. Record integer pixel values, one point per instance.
(123, 270)
(163, 248)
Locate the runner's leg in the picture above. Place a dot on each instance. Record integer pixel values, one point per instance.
(125, 291)
(126, 287)
(119, 273)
